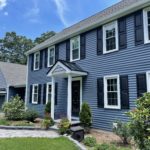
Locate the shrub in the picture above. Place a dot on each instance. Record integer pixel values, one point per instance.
(85, 116)
(30, 115)
(122, 131)
(140, 122)
(14, 109)
(108, 147)
(64, 126)
(48, 108)
(89, 141)
(47, 122)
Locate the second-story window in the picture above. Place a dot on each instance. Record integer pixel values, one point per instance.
(36, 61)
(75, 48)
(51, 56)
(147, 24)
(110, 37)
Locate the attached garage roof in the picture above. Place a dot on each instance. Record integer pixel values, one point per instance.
(14, 74)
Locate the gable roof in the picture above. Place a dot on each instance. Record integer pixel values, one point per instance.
(14, 74)
(118, 10)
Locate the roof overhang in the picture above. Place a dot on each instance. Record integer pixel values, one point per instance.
(61, 70)
(120, 13)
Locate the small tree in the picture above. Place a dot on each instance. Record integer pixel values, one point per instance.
(140, 122)
(48, 108)
(14, 109)
(85, 116)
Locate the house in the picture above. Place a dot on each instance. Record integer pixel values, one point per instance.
(103, 60)
(12, 81)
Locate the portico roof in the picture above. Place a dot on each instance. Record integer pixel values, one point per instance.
(63, 68)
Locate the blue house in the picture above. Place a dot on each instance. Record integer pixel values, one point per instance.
(103, 60)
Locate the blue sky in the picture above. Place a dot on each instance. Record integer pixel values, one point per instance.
(33, 17)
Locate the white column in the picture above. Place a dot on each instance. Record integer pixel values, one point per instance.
(53, 98)
(69, 102)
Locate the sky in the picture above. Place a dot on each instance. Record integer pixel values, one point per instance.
(31, 18)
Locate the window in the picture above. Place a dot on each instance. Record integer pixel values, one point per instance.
(36, 61)
(110, 37)
(148, 81)
(112, 92)
(49, 90)
(35, 94)
(51, 56)
(146, 17)
(75, 48)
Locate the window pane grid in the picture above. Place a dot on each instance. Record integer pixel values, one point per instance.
(75, 45)
(51, 56)
(148, 14)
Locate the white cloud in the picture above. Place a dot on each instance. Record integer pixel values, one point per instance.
(33, 13)
(62, 8)
(6, 13)
(3, 4)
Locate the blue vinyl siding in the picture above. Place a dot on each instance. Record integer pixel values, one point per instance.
(129, 61)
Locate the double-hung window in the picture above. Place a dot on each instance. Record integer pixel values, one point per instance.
(110, 37)
(49, 90)
(35, 94)
(75, 48)
(36, 61)
(51, 56)
(146, 17)
(112, 92)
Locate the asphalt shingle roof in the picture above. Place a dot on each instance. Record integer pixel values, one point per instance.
(14, 74)
(122, 8)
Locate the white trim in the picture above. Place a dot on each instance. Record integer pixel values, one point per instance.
(49, 56)
(2, 92)
(38, 61)
(111, 25)
(47, 88)
(145, 20)
(118, 93)
(148, 80)
(53, 99)
(71, 50)
(34, 93)
(7, 93)
(26, 86)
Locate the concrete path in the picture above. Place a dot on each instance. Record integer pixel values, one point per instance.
(27, 133)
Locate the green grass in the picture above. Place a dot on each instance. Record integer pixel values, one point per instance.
(37, 144)
(4, 122)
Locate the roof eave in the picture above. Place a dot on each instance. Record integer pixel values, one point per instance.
(121, 13)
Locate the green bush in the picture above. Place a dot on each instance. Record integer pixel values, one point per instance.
(64, 126)
(122, 130)
(48, 108)
(89, 141)
(47, 122)
(14, 109)
(140, 122)
(30, 115)
(85, 116)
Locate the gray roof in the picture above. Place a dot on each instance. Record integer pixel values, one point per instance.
(14, 74)
(120, 9)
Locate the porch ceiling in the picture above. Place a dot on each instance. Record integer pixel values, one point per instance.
(63, 69)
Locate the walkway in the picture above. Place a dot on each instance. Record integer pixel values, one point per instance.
(27, 133)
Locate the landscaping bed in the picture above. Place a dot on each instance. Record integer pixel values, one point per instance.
(37, 143)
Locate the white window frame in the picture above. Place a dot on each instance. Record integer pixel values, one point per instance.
(50, 65)
(35, 60)
(107, 27)
(145, 20)
(47, 88)
(71, 50)
(33, 87)
(118, 93)
(148, 80)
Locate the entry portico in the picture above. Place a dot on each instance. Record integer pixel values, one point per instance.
(72, 72)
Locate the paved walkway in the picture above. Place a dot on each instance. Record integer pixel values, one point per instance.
(27, 133)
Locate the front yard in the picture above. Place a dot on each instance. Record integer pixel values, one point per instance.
(37, 144)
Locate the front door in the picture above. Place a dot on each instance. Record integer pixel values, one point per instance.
(75, 98)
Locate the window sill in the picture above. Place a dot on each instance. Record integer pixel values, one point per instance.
(75, 60)
(111, 107)
(34, 103)
(107, 52)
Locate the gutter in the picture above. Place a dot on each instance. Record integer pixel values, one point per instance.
(126, 11)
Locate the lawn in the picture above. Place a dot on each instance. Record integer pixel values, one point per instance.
(37, 144)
